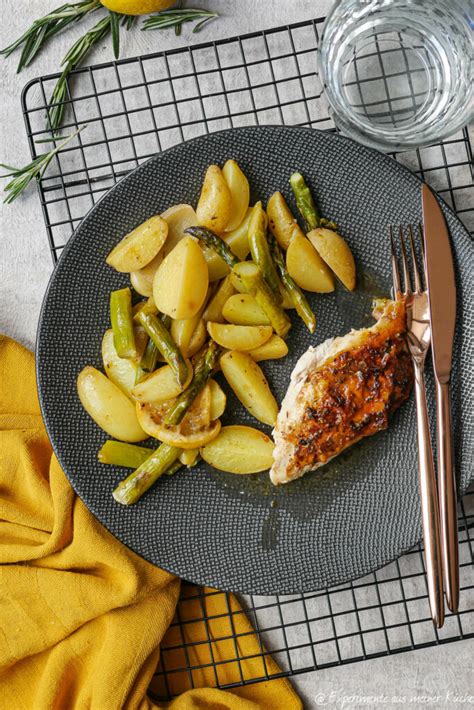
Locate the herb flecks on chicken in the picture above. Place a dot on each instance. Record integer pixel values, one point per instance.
(341, 391)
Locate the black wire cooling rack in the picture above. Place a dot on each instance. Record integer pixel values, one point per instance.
(134, 108)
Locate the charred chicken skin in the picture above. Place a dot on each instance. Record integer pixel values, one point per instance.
(341, 391)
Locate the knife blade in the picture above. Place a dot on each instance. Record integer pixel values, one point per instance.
(441, 285)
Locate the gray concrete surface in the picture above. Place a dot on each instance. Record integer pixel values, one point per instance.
(438, 677)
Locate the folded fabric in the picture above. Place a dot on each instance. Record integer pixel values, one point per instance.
(82, 617)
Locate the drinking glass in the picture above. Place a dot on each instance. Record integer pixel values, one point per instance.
(399, 73)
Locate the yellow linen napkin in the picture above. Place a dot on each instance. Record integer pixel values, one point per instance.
(81, 616)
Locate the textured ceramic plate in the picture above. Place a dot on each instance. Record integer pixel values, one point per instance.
(239, 532)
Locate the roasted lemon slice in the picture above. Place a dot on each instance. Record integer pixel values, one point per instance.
(194, 431)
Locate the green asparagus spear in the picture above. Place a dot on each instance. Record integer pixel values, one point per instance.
(176, 466)
(148, 306)
(293, 290)
(202, 372)
(163, 340)
(120, 454)
(148, 361)
(213, 241)
(329, 224)
(304, 201)
(250, 277)
(122, 323)
(260, 251)
(131, 489)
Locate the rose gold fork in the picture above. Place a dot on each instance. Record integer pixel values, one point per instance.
(418, 341)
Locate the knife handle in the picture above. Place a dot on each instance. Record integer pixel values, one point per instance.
(447, 496)
(429, 502)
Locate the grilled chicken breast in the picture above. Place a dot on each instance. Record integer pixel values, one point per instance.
(342, 390)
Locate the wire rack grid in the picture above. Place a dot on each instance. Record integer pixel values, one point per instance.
(134, 108)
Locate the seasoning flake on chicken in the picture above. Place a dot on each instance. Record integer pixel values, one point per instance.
(341, 391)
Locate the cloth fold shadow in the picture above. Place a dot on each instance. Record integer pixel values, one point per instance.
(82, 618)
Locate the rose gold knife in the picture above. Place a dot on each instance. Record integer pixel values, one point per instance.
(442, 298)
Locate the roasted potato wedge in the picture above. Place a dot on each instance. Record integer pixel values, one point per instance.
(108, 406)
(336, 253)
(160, 386)
(122, 371)
(215, 202)
(198, 339)
(281, 222)
(237, 241)
(195, 430)
(218, 400)
(273, 349)
(213, 310)
(250, 385)
(142, 280)
(307, 268)
(239, 449)
(239, 192)
(239, 337)
(181, 282)
(178, 218)
(140, 246)
(243, 309)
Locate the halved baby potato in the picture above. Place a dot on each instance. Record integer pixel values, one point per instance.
(307, 268)
(215, 202)
(250, 385)
(213, 310)
(336, 253)
(195, 430)
(243, 309)
(239, 192)
(140, 246)
(161, 385)
(181, 282)
(178, 218)
(239, 337)
(218, 400)
(239, 449)
(142, 280)
(273, 349)
(198, 339)
(183, 330)
(281, 222)
(122, 371)
(108, 406)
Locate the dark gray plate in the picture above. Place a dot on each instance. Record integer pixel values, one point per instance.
(239, 532)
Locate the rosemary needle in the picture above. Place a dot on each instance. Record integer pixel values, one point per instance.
(177, 17)
(23, 176)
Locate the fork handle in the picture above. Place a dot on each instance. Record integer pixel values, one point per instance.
(447, 496)
(429, 502)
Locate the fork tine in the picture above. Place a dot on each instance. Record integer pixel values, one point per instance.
(413, 258)
(406, 271)
(395, 273)
(421, 236)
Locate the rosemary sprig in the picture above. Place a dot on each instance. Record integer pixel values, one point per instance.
(36, 36)
(75, 55)
(177, 17)
(23, 176)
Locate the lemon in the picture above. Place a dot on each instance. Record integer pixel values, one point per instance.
(137, 7)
